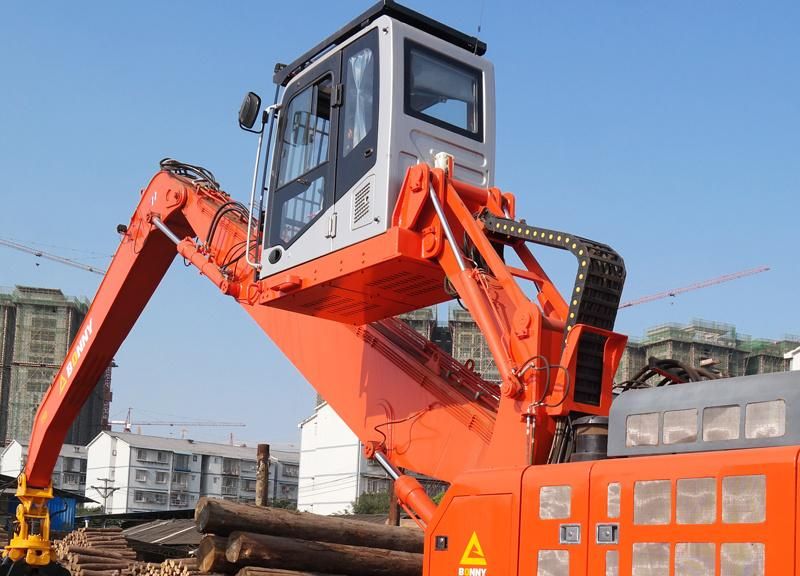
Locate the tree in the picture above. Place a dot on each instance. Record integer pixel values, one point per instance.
(372, 503)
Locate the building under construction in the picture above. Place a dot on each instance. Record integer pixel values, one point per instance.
(37, 326)
(460, 337)
(699, 342)
(702, 342)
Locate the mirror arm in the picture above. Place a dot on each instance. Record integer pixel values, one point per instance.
(265, 117)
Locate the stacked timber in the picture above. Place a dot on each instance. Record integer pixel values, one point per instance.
(171, 567)
(258, 541)
(95, 552)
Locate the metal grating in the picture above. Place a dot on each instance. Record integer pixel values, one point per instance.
(612, 504)
(553, 563)
(642, 429)
(721, 423)
(742, 559)
(680, 426)
(765, 419)
(744, 499)
(650, 559)
(612, 563)
(652, 502)
(555, 502)
(696, 501)
(695, 559)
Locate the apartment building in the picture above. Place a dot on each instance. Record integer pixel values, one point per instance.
(69, 473)
(137, 473)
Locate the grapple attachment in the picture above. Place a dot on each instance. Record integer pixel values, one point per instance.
(30, 553)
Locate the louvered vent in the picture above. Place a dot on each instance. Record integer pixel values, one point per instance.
(362, 205)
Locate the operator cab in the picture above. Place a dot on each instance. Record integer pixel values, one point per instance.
(391, 89)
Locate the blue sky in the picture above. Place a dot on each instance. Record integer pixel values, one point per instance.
(670, 130)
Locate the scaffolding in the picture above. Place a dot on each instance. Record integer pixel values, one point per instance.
(38, 325)
(469, 344)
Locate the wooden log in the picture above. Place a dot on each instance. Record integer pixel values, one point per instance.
(257, 571)
(250, 549)
(96, 552)
(90, 559)
(83, 572)
(223, 517)
(93, 566)
(211, 555)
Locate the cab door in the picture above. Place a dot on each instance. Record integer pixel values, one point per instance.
(300, 220)
(360, 206)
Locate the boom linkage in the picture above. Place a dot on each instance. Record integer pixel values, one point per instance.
(412, 405)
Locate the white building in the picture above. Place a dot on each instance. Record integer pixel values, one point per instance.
(793, 357)
(333, 469)
(70, 470)
(133, 472)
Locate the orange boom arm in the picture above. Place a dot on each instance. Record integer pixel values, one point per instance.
(411, 404)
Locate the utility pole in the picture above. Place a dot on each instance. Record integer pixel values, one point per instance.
(262, 474)
(105, 491)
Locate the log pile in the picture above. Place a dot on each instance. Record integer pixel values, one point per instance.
(252, 540)
(95, 552)
(171, 567)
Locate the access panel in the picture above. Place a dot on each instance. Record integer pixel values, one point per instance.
(715, 513)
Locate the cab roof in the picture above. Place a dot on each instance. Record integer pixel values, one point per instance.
(285, 73)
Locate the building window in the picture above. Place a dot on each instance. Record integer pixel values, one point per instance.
(141, 455)
(376, 485)
(249, 486)
(138, 496)
(163, 457)
(230, 466)
(178, 499)
(72, 478)
(230, 486)
(181, 462)
(180, 481)
(141, 475)
(291, 470)
(161, 477)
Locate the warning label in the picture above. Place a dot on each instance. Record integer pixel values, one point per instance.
(473, 556)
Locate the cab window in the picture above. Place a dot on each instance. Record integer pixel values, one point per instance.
(306, 132)
(443, 91)
(303, 169)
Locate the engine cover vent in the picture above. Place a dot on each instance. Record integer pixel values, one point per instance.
(362, 206)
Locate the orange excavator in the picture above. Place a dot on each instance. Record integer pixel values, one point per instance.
(375, 197)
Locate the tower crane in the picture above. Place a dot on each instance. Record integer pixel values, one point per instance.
(54, 257)
(696, 286)
(128, 423)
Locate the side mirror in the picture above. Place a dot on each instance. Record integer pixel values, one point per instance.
(251, 105)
